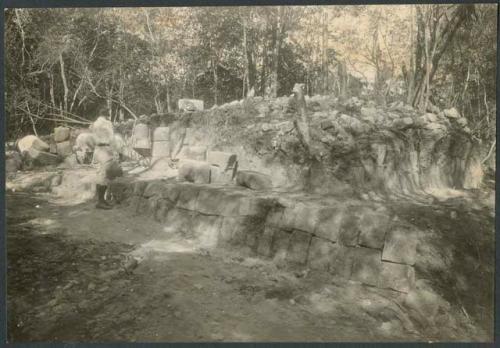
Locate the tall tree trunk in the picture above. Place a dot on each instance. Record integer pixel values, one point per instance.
(51, 90)
(216, 80)
(65, 83)
(169, 104)
(324, 58)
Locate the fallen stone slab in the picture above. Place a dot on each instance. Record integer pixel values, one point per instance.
(401, 244)
(40, 158)
(254, 180)
(218, 176)
(194, 171)
(224, 160)
(61, 134)
(397, 277)
(32, 142)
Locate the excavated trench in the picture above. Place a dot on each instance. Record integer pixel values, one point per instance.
(411, 267)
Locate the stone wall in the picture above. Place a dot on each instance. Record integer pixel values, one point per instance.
(352, 240)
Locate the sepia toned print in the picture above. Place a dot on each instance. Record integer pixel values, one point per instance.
(251, 174)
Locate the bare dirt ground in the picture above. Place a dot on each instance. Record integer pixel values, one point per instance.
(72, 277)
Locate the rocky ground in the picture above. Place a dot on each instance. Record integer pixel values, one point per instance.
(73, 275)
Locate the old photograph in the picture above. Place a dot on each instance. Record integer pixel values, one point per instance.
(250, 173)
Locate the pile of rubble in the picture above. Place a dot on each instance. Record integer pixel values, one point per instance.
(354, 142)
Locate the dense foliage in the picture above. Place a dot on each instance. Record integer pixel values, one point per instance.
(69, 65)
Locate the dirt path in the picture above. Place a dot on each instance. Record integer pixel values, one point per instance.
(72, 276)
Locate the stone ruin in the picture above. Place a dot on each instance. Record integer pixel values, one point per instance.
(233, 163)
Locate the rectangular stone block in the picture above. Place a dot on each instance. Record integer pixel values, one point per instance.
(341, 261)
(121, 189)
(64, 148)
(253, 228)
(153, 188)
(216, 201)
(397, 277)
(366, 266)
(401, 244)
(274, 217)
(161, 149)
(206, 228)
(280, 243)
(228, 233)
(265, 241)
(320, 254)
(161, 134)
(187, 197)
(142, 206)
(256, 206)
(61, 134)
(152, 206)
(349, 226)
(134, 204)
(139, 187)
(373, 227)
(178, 220)
(162, 209)
(329, 220)
(299, 247)
(301, 216)
(171, 192)
(224, 160)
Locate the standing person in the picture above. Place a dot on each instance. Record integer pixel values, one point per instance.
(108, 167)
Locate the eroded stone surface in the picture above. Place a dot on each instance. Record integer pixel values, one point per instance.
(320, 253)
(401, 244)
(254, 180)
(341, 261)
(299, 247)
(397, 277)
(187, 197)
(279, 246)
(350, 226)
(329, 221)
(367, 266)
(265, 241)
(373, 226)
